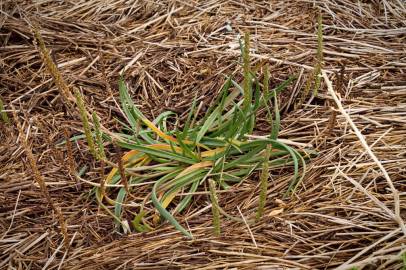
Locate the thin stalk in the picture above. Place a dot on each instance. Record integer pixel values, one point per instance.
(85, 121)
(246, 68)
(215, 207)
(319, 65)
(52, 68)
(263, 183)
(99, 139)
(69, 153)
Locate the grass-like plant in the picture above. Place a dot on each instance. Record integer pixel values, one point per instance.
(216, 146)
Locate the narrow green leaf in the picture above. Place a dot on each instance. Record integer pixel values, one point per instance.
(208, 124)
(186, 200)
(119, 203)
(168, 216)
(162, 154)
(189, 118)
(187, 151)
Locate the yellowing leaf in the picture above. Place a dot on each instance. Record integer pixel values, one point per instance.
(189, 169)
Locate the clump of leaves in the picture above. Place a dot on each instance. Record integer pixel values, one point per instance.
(216, 146)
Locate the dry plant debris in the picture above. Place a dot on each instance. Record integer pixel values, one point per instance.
(170, 52)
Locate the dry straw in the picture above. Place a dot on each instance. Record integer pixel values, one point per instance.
(395, 193)
(40, 180)
(172, 53)
(3, 114)
(69, 152)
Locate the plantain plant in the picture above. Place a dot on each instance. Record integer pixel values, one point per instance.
(215, 146)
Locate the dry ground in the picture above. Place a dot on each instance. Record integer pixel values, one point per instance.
(344, 213)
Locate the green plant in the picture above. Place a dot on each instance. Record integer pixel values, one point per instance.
(216, 146)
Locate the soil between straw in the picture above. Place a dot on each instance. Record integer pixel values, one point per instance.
(170, 54)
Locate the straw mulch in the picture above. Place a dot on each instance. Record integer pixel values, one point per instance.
(343, 214)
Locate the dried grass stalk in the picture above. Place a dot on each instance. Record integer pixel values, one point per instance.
(40, 180)
(396, 216)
